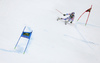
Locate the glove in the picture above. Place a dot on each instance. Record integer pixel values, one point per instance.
(64, 14)
(71, 22)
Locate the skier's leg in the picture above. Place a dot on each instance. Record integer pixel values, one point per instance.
(66, 20)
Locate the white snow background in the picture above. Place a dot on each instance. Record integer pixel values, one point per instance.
(52, 41)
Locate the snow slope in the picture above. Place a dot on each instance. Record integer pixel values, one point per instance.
(51, 41)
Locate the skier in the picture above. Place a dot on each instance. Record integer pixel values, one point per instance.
(70, 18)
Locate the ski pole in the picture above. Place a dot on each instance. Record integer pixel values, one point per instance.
(80, 16)
(27, 44)
(19, 39)
(59, 11)
(88, 16)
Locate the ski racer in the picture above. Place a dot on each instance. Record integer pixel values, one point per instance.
(70, 18)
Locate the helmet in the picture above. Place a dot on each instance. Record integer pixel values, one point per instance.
(73, 13)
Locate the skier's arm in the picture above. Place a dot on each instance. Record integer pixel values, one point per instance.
(66, 14)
